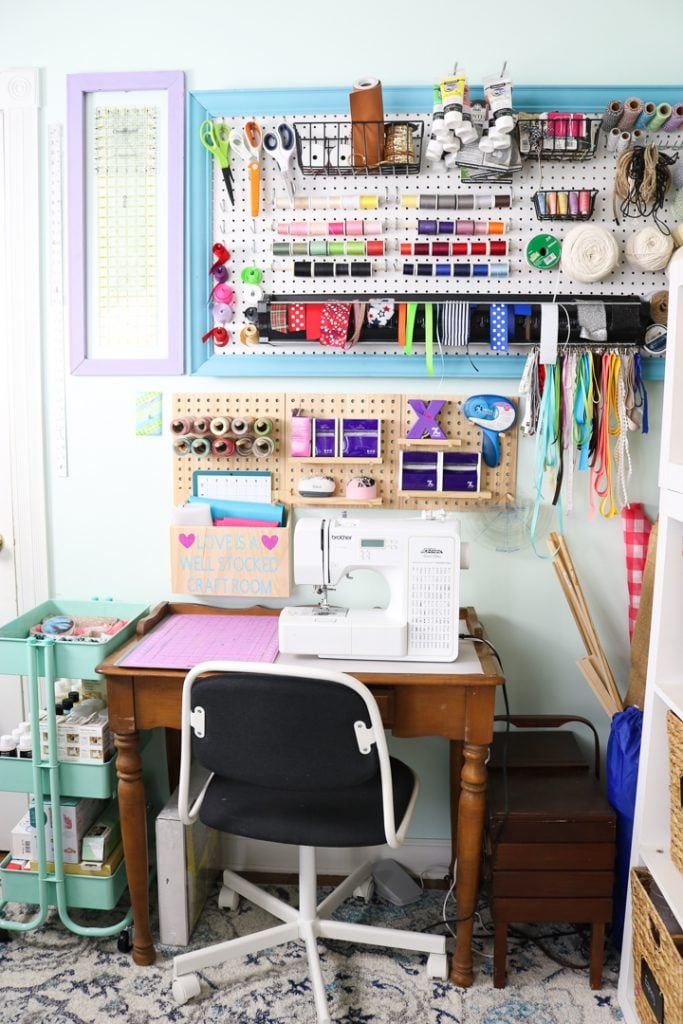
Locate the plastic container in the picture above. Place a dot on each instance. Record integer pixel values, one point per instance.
(81, 891)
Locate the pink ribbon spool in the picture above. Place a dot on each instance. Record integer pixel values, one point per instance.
(223, 293)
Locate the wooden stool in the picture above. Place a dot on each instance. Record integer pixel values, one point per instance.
(552, 842)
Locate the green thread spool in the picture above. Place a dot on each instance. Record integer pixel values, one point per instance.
(318, 247)
(337, 249)
(281, 249)
(543, 252)
(663, 114)
(355, 248)
(299, 249)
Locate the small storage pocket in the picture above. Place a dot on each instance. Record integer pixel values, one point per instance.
(461, 471)
(419, 471)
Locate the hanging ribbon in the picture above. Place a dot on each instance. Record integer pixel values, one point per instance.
(583, 408)
(545, 454)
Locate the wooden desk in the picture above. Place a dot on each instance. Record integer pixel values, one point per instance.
(454, 700)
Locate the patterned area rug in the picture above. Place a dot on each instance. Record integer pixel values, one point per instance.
(51, 976)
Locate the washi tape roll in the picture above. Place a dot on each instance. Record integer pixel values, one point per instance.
(240, 425)
(181, 446)
(263, 447)
(200, 446)
(219, 426)
(543, 252)
(202, 426)
(244, 445)
(263, 427)
(182, 425)
(222, 447)
(663, 114)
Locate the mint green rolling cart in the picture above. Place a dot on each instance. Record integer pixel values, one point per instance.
(40, 657)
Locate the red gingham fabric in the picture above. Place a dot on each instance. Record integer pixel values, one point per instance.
(636, 535)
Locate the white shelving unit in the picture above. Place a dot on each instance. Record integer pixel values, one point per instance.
(651, 831)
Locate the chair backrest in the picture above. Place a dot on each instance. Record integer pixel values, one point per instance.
(282, 731)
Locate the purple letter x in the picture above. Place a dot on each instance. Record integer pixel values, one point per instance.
(425, 424)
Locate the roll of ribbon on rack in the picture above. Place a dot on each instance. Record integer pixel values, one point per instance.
(263, 427)
(456, 269)
(457, 201)
(662, 115)
(219, 426)
(303, 268)
(200, 446)
(222, 447)
(263, 447)
(461, 227)
(375, 247)
(352, 228)
(181, 445)
(182, 425)
(612, 115)
(673, 124)
(483, 248)
(633, 108)
(364, 201)
(241, 425)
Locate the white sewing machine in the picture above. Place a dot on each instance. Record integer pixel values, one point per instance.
(420, 560)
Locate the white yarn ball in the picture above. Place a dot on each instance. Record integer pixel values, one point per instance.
(589, 253)
(676, 258)
(649, 249)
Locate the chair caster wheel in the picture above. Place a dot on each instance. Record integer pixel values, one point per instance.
(185, 988)
(365, 890)
(437, 966)
(123, 943)
(228, 899)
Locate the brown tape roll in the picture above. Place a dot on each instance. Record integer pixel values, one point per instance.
(659, 307)
(367, 118)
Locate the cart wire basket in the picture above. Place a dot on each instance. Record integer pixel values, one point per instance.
(568, 137)
(359, 147)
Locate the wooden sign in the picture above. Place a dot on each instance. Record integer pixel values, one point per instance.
(238, 562)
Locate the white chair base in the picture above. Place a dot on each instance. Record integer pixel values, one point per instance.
(308, 923)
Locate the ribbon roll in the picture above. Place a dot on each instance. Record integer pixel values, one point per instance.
(202, 426)
(244, 445)
(219, 426)
(181, 446)
(241, 425)
(220, 336)
(222, 447)
(222, 256)
(182, 425)
(249, 335)
(220, 274)
(263, 427)
(263, 447)
(200, 447)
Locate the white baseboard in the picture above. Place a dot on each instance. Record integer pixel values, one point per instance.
(417, 855)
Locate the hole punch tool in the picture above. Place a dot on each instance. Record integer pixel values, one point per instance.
(494, 414)
(216, 139)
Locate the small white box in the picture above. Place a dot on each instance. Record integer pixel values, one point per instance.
(77, 815)
(187, 866)
(83, 738)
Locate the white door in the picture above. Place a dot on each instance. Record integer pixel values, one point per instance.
(23, 556)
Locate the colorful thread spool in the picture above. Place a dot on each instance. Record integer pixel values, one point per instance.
(365, 201)
(263, 447)
(263, 427)
(200, 446)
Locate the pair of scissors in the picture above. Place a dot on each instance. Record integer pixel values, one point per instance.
(216, 138)
(280, 144)
(246, 143)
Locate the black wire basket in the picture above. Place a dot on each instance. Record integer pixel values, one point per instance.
(563, 137)
(565, 204)
(359, 148)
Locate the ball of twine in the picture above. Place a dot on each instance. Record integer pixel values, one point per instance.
(649, 249)
(659, 307)
(589, 253)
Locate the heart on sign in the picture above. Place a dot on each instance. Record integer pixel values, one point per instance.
(269, 541)
(186, 539)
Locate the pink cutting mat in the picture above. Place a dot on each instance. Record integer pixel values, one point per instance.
(182, 641)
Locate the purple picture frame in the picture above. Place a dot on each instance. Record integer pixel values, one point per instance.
(78, 86)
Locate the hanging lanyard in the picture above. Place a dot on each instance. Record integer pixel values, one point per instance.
(429, 337)
(602, 470)
(583, 408)
(640, 392)
(545, 456)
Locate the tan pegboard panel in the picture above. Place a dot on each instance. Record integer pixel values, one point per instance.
(497, 483)
(386, 408)
(230, 405)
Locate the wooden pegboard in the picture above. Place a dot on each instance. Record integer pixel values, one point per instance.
(497, 484)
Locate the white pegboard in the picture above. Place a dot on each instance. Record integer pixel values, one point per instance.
(251, 245)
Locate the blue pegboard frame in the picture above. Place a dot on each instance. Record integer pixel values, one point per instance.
(281, 102)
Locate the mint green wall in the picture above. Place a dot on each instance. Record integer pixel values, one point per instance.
(116, 477)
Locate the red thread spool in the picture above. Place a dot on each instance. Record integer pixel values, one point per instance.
(460, 248)
(498, 248)
(440, 248)
(374, 248)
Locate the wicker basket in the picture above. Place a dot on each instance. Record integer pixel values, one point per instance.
(657, 959)
(674, 727)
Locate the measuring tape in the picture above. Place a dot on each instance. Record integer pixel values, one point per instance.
(543, 252)
(55, 328)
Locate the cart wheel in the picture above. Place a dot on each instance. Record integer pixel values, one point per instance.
(185, 988)
(123, 943)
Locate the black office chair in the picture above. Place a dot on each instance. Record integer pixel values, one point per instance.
(298, 757)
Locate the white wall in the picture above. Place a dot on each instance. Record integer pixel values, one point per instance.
(108, 518)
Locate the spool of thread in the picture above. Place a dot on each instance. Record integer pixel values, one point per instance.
(263, 447)
(181, 446)
(584, 203)
(562, 204)
(200, 446)
(633, 108)
(638, 137)
(648, 249)
(182, 425)
(241, 425)
(623, 142)
(659, 307)
(673, 124)
(219, 426)
(222, 447)
(244, 445)
(661, 116)
(612, 115)
(263, 427)
(202, 426)
(647, 113)
(543, 252)
(589, 253)
(612, 140)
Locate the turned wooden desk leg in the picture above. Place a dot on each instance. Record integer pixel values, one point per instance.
(470, 836)
(131, 792)
(455, 776)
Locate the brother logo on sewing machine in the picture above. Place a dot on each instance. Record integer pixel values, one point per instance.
(419, 558)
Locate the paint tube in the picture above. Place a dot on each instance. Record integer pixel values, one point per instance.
(498, 95)
(452, 96)
(465, 130)
(435, 146)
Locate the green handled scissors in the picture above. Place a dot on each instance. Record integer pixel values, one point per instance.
(216, 138)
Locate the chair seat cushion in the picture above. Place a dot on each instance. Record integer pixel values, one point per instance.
(348, 816)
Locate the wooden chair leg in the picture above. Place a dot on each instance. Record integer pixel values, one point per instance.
(500, 951)
(597, 954)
